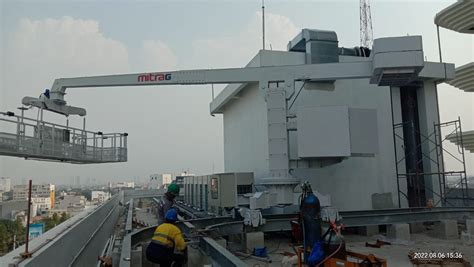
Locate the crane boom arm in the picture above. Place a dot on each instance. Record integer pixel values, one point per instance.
(330, 71)
(395, 61)
(287, 74)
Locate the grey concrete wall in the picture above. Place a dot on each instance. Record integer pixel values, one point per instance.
(428, 116)
(350, 183)
(245, 120)
(245, 134)
(7, 207)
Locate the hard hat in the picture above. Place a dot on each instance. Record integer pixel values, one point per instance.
(171, 215)
(173, 189)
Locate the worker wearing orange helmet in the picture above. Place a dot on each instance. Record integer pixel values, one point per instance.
(167, 201)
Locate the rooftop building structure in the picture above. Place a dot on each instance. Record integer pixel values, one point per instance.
(5, 184)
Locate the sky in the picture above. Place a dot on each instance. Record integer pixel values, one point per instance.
(170, 128)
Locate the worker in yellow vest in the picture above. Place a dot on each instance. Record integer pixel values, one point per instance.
(167, 246)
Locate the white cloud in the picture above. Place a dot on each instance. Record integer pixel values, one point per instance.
(237, 49)
(77, 43)
(41, 50)
(156, 55)
(160, 120)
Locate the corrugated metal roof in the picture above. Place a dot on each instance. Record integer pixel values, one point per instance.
(464, 78)
(467, 140)
(458, 17)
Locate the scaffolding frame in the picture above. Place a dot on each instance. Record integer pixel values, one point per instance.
(434, 138)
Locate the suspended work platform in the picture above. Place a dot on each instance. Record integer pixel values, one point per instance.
(36, 139)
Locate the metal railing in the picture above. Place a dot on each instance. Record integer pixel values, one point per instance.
(37, 139)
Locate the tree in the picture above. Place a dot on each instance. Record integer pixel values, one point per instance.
(55, 218)
(9, 229)
(4, 236)
(19, 230)
(64, 217)
(49, 223)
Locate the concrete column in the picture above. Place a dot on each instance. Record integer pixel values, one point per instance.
(446, 229)
(428, 115)
(399, 231)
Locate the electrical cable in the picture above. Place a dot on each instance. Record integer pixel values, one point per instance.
(296, 97)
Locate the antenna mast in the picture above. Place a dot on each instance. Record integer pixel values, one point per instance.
(263, 24)
(366, 35)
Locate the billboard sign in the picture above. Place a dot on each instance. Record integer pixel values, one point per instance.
(36, 229)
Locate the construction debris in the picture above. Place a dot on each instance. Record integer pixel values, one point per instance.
(377, 244)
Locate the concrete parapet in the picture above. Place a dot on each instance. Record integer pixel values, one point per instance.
(446, 229)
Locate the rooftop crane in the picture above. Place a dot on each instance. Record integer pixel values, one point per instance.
(379, 70)
(264, 75)
(394, 61)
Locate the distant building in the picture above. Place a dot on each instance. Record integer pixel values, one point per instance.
(160, 180)
(8, 209)
(70, 204)
(38, 191)
(69, 201)
(5, 184)
(125, 185)
(99, 196)
(5, 196)
(42, 196)
(40, 204)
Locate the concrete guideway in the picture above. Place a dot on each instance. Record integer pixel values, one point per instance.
(76, 242)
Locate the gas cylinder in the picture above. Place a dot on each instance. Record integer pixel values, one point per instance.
(311, 213)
